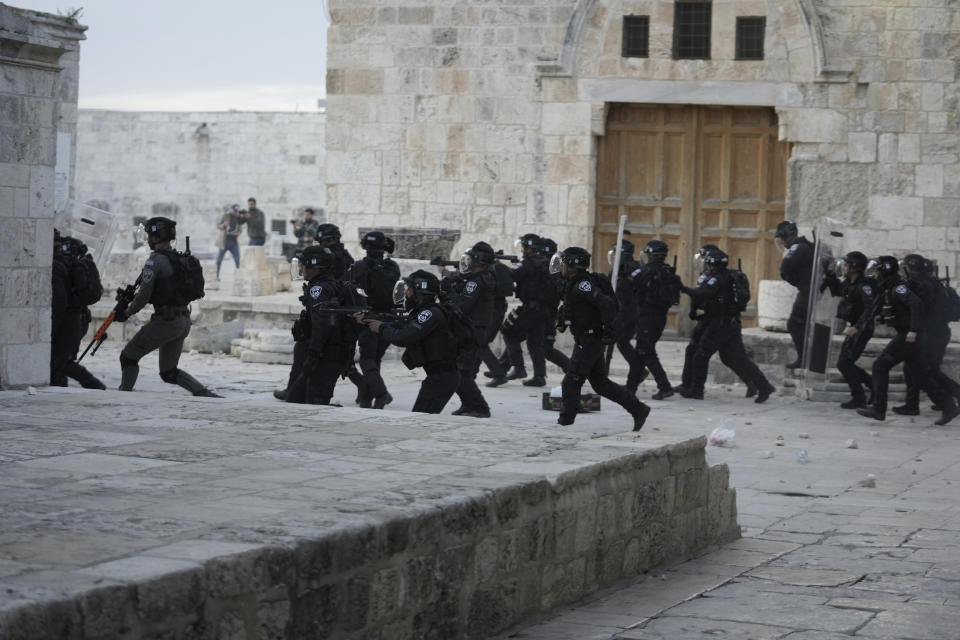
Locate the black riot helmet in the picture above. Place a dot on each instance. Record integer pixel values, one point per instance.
(549, 247)
(717, 260)
(317, 257)
(530, 243)
(786, 230)
(626, 249)
(328, 234)
(480, 254)
(164, 229)
(656, 251)
(855, 261)
(883, 268)
(915, 266)
(575, 257)
(700, 257)
(374, 241)
(423, 283)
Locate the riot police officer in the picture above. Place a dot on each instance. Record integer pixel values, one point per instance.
(856, 308)
(170, 323)
(590, 313)
(328, 235)
(797, 269)
(922, 280)
(376, 275)
(76, 284)
(657, 289)
(625, 324)
(505, 286)
(326, 350)
(550, 351)
(473, 292)
(905, 311)
(425, 334)
(528, 322)
(721, 330)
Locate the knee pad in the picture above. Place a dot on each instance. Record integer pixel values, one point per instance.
(127, 362)
(170, 375)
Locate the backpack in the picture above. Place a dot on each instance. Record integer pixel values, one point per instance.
(740, 286)
(86, 287)
(187, 275)
(504, 280)
(380, 281)
(665, 286)
(349, 295)
(950, 303)
(461, 328)
(603, 283)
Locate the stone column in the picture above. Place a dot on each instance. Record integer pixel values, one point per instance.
(33, 95)
(254, 277)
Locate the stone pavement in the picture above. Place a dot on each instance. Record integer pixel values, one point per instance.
(822, 557)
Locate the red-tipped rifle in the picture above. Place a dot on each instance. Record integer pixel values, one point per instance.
(124, 297)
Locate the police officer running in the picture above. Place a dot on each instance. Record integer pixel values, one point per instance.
(625, 324)
(721, 331)
(657, 289)
(797, 269)
(905, 311)
(856, 308)
(427, 338)
(170, 323)
(326, 350)
(376, 275)
(550, 351)
(328, 235)
(76, 284)
(472, 291)
(590, 313)
(528, 321)
(922, 280)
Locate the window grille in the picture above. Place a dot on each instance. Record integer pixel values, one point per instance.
(636, 36)
(750, 30)
(691, 30)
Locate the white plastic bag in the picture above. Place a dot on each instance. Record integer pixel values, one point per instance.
(723, 436)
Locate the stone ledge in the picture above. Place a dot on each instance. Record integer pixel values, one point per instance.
(482, 529)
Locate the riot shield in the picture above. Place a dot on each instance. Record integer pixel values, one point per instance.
(820, 348)
(94, 227)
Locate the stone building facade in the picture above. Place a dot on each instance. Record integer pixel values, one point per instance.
(516, 116)
(39, 70)
(189, 166)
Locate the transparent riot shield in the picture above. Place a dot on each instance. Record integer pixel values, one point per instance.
(821, 346)
(94, 227)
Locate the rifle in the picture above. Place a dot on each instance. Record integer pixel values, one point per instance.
(125, 295)
(499, 255)
(440, 262)
(366, 312)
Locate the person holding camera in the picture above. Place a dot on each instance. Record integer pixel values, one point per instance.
(229, 227)
(256, 222)
(305, 229)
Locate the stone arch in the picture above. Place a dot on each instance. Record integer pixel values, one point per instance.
(577, 26)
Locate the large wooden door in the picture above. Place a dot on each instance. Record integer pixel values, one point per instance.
(692, 175)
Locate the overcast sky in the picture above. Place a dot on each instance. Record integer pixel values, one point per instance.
(198, 55)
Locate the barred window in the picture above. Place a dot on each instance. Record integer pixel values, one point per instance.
(750, 30)
(636, 36)
(691, 30)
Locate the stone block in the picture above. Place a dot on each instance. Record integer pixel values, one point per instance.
(941, 212)
(14, 175)
(908, 147)
(929, 180)
(566, 118)
(932, 238)
(774, 302)
(894, 212)
(862, 146)
(213, 338)
(887, 147)
(24, 364)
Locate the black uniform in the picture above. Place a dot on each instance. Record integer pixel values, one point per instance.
(325, 349)
(856, 308)
(473, 294)
(721, 331)
(907, 312)
(69, 324)
(591, 314)
(167, 329)
(503, 277)
(529, 321)
(625, 323)
(342, 260)
(797, 269)
(376, 275)
(550, 351)
(426, 335)
(938, 337)
(648, 284)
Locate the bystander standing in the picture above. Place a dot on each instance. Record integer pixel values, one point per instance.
(256, 223)
(229, 226)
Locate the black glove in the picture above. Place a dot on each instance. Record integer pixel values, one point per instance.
(609, 336)
(684, 289)
(120, 315)
(297, 330)
(693, 315)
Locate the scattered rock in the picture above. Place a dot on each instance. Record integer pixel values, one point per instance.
(918, 459)
(870, 482)
(852, 444)
(914, 472)
(779, 441)
(31, 391)
(875, 434)
(766, 454)
(803, 436)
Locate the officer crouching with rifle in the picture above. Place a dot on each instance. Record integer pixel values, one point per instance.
(426, 335)
(591, 314)
(169, 282)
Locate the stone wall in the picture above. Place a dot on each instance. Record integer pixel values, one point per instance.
(468, 567)
(38, 94)
(487, 114)
(190, 166)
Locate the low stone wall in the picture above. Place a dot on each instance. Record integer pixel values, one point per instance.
(466, 566)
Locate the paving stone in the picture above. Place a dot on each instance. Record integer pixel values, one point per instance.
(675, 628)
(805, 577)
(919, 621)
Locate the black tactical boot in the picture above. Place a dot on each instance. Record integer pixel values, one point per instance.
(856, 403)
(948, 414)
(538, 381)
(640, 416)
(381, 401)
(280, 394)
(871, 412)
(906, 410)
(662, 394)
(206, 393)
(751, 391)
(691, 394)
(763, 393)
(516, 373)
(496, 382)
